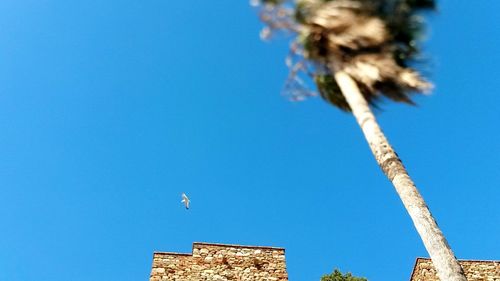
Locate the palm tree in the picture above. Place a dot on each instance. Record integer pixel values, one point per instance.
(356, 52)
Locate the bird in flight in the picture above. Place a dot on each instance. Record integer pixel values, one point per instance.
(185, 200)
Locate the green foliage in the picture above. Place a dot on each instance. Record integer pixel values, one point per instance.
(338, 276)
(330, 91)
(406, 26)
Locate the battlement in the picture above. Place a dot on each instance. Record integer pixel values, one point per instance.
(221, 262)
(475, 270)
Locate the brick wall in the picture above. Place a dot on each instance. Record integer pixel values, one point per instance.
(220, 262)
(475, 270)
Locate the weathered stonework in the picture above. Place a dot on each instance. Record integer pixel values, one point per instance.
(475, 270)
(220, 262)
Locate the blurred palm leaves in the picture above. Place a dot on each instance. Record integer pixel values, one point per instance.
(374, 41)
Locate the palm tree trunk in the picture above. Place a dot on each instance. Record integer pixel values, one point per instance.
(447, 266)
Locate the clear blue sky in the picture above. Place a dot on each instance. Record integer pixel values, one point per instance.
(109, 110)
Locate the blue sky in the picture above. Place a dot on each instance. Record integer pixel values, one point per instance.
(109, 110)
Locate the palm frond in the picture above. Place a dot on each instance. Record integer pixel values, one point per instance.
(374, 41)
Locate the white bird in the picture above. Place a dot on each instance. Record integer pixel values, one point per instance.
(185, 200)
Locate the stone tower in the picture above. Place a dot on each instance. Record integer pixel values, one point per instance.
(221, 262)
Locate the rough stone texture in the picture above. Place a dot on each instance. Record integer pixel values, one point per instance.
(220, 262)
(475, 270)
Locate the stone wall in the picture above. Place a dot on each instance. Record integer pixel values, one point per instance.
(220, 262)
(475, 270)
